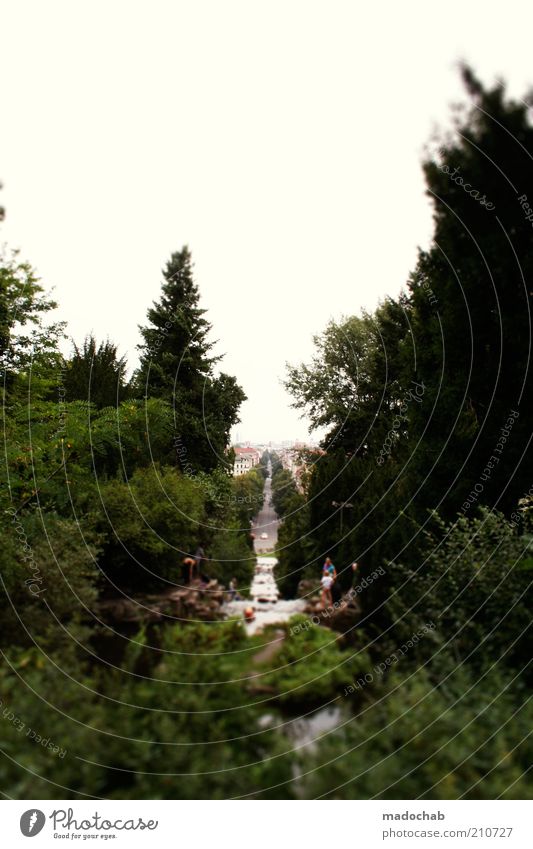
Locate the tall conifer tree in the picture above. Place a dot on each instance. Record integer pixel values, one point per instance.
(175, 350)
(472, 324)
(177, 365)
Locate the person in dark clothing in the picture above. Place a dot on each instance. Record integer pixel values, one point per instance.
(336, 591)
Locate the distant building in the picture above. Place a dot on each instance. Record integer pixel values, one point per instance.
(246, 458)
(298, 460)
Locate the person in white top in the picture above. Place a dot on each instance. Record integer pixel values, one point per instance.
(327, 582)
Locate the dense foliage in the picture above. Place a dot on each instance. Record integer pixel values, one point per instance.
(108, 484)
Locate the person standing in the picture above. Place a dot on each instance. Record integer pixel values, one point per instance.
(233, 594)
(329, 568)
(327, 583)
(188, 566)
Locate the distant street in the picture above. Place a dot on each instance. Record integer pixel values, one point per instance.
(266, 521)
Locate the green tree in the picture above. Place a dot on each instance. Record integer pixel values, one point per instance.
(29, 352)
(60, 453)
(151, 523)
(472, 307)
(283, 491)
(426, 402)
(359, 387)
(175, 352)
(221, 402)
(474, 580)
(247, 495)
(296, 547)
(176, 365)
(276, 462)
(355, 384)
(95, 373)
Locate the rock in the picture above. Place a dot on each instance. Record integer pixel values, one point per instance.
(308, 588)
(195, 602)
(344, 616)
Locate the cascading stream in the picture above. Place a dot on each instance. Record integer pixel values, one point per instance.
(264, 593)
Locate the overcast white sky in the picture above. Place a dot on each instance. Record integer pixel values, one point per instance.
(280, 140)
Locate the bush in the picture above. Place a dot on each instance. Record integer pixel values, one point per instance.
(232, 557)
(310, 667)
(463, 739)
(51, 581)
(473, 582)
(189, 732)
(151, 523)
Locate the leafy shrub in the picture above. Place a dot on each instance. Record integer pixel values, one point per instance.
(473, 582)
(51, 584)
(310, 668)
(151, 522)
(188, 732)
(464, 739)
